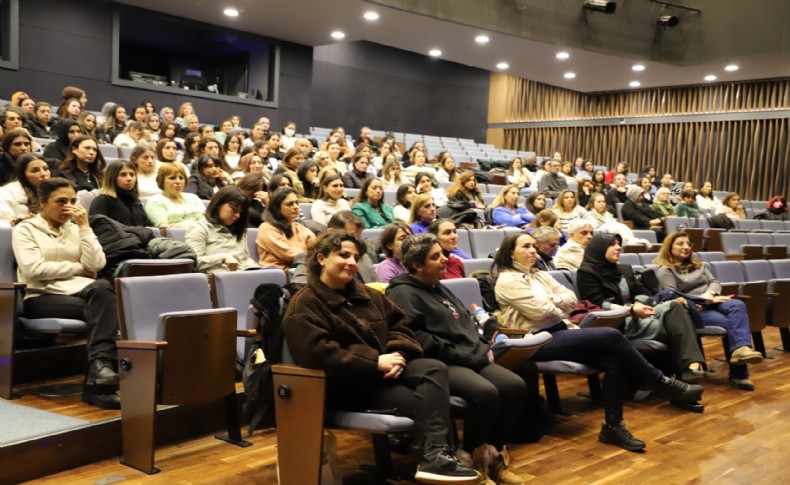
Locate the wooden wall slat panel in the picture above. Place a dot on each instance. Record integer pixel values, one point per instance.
(749, 156)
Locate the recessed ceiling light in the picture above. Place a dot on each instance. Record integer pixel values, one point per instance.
(371, 16)
(434, 52)
(231, 12)
(502, 66)
(569, 75)
(710, 77)
(482, 39)
(338, 35)
(731, 67)
(562, 55)
(638, 67)
(634, 84)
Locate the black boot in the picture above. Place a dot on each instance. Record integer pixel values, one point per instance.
(101, 382)
(101, 373)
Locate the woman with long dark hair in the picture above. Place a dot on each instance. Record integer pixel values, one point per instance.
(280, 237)
(19, 199)
(209, 177)
(370, 206)
(119, 199)
(220, 239)
(330, 199)
(84, 165)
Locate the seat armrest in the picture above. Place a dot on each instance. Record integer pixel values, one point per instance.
(246, 332)
(296, 370)
(141, 344)
(516, 332)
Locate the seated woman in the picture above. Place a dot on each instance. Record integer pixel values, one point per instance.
(84, 165)
(506, 212)
(535, 202)
(173, 207)
(308, 176)
(465, 190)
(220, 238)
(404, 197)
(546, 218)
(597, 215)
(568, 209)
(447, 235)
(118, 199)
(608, 284)
(643, 217)
(58, 257)
(776, 209)
(391, 173)
(254, 187)
(731, 207)
(87, 122)
(422, 214)
(447, 170)
(425, 184)
(15, 143)
(231, 146)
(166, 151)
(355, 177)
(209, 177)
(291, 162)
(391, 240)
(680, 271)
(646, 184)
(706, 199)
(533, 301)
(518, 175)
(662, 205)
(689, 206)
(370, 206)
(133, 134)
(115, 122)
(330, 199)
(375, 369)
(144, 159)
(280, 237)
(250, 162)
(495, 396)
(19, 199)
(585, 192)
(152, 124)
(599, 180)
(419, 164)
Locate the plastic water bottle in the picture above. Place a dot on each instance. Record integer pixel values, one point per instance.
(480, 315)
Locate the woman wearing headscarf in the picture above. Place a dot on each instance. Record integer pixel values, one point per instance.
(65, 131)
(609, 285)
(639, 212)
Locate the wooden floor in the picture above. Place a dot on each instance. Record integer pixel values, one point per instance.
(742, 438)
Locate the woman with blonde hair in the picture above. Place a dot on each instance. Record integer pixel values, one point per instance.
(518, 175)
(422, 213)
(680, 271)
(173, 207)
(506, 211)
(391, 173)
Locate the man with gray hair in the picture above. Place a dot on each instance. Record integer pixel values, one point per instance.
(547, 241)
(570, 255)
(552, 183)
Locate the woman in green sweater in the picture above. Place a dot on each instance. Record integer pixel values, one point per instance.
(369, 205)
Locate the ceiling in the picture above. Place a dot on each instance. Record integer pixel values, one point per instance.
(603, 48)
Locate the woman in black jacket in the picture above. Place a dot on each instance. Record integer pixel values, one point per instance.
(209, 177)
(603, 281)
(639, 212)
(84, 165)
(119, 200)
(65, 131)
(495, 396)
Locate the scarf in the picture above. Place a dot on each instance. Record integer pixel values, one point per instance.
(595, 258)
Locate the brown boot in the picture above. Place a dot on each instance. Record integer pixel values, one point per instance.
(482, 457)
(499, 471)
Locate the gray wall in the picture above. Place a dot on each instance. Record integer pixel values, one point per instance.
(389, 89)
(70, 43)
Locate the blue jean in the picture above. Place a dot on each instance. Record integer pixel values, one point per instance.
(731, 315)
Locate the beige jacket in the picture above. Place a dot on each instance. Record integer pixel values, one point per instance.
(533, 300)
(213, 243)
(51, 263)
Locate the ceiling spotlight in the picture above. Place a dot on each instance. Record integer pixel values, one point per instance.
(600, 6)
(502, 66)
(231, 12)
(371, 16)
(338, 35)
(434, 52)
(710, 77)
(634, 84)
(562, 55)
(569, 75)
(638, 67)
(731, 67)
(668, 21)
(482, 39)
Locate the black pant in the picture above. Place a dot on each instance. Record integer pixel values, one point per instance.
(607, 350)
(95, 304)
(495, 399)
(681, 338)
(421, 393)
